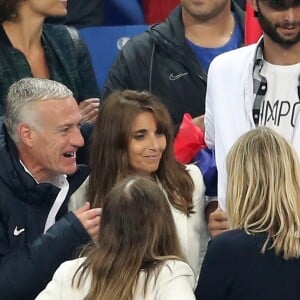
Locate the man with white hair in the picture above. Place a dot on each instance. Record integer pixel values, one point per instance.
(39, 138)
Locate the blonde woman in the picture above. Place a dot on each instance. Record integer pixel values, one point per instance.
(259, 258)
(137, 256)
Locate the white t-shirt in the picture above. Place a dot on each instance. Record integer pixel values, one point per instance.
(281, 104)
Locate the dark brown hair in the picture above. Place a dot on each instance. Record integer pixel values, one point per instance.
(109, 149)
(8, 9)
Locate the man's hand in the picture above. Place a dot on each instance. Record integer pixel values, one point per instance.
(90, 219)
(217, 222)
(89, 110)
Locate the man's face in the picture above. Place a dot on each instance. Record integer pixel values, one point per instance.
(54, 138)
(280, 22)
(204, 10)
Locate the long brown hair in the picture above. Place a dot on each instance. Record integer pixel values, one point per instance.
(263, 190)
(109, 149)
(9, 9)
(137, 232)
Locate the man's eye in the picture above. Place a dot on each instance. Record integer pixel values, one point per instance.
(65, 129)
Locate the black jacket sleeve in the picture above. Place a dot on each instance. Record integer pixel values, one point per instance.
(25, 272)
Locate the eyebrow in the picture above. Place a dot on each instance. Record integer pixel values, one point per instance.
(140, 131)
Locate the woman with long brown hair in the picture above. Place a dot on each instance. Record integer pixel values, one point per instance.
(134, 135)
(137, 255)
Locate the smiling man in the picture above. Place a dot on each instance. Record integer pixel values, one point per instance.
(258, 85)
(38, 143)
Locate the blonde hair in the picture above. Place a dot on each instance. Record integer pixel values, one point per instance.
(263, 190)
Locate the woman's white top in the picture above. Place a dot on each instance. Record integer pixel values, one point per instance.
(175, 281)
(192, 230)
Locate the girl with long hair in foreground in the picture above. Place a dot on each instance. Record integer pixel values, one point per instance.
(137, 255)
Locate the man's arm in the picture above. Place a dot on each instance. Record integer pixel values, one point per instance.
(25, 271)
(209, 114)
(216, 217)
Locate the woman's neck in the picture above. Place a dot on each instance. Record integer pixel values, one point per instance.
(23, 36)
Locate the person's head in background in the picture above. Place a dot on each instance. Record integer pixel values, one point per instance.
(204, 11)
(263, 190)
(137, 232)
(43, 120)
(134, 135)
(10, 9)
(279, 20)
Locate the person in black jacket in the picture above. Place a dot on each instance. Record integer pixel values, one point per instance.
(39, 138)
(171, 59)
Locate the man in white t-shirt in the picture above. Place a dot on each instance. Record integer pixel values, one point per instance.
(257, 85)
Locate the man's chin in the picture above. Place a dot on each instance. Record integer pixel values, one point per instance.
(70, 170)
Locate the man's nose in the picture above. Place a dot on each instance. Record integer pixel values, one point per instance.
(291, 16)
(77, 138)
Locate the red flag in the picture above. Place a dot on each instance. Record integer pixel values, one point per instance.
(252, 28)
(156, 11)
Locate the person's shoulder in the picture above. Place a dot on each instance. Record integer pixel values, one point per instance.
(69, 267)
(174, 268)
(193, 170)
(61, 32)
(195, 174)
(56, 28)
(231, 241)
(237, 56)
(141, 40)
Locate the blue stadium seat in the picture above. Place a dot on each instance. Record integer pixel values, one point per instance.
(123, 12)
(104, 44)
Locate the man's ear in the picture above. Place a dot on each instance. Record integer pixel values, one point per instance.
(26, 134)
